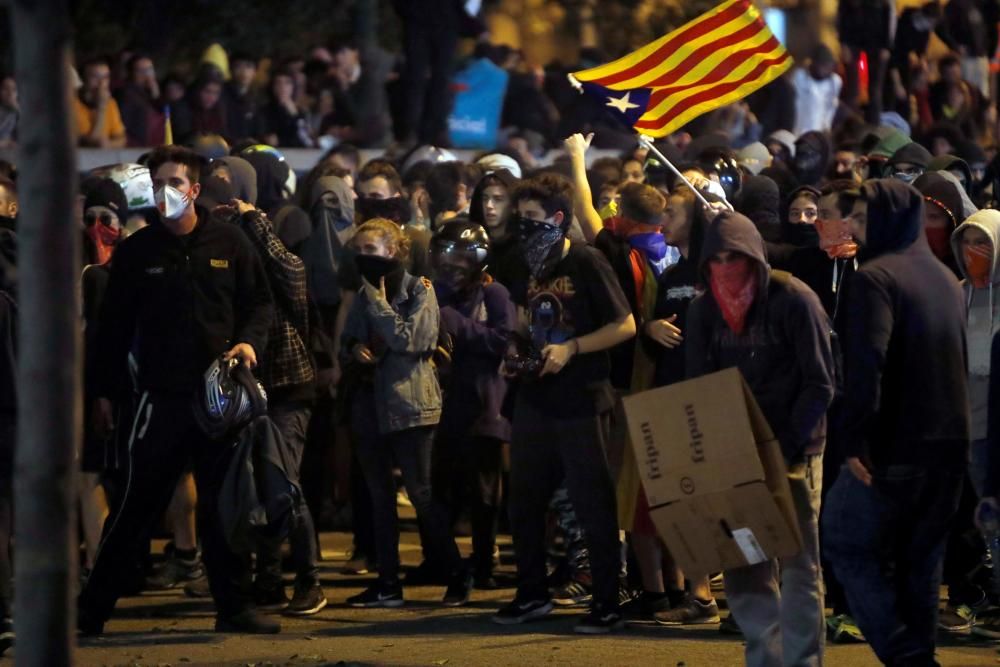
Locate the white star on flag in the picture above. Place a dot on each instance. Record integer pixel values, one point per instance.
(621, 103)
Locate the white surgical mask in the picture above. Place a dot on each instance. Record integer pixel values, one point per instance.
(171, 202)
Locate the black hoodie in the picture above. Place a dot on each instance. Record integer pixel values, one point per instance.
(784, 353)
(906, 399)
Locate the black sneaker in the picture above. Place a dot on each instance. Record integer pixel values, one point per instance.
(270, 598)
(645, 604)
(88, 625)
(600, 621)
(307, 600)
(175, 572)
(247, 622)
(521, 611)
(6, 635)
(378, 595)
(689, 612)
(458, 591)
(198, 588)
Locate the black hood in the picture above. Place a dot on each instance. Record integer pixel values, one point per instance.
(8, 261)
(801, 236)
(812, 157)
(736, 233)
(911, 153)
(949, 162)
(271, 176)
(760, 201)
(895, 216)
(941, 190)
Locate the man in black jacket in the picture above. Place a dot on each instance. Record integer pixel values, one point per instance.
(182, 292)
(771, 327)
(905, 427)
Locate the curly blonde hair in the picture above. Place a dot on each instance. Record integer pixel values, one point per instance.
(390, 232)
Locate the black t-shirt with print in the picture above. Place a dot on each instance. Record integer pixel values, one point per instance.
(581, 296)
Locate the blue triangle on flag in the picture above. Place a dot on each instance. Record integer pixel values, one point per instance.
(625, 105)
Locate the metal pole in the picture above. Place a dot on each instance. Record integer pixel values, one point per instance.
(647, 143)
(49, 368)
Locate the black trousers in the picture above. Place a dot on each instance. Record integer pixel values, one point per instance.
(466, 473)
(544, 452)
(426, 74)
(8, 441)
(164, 439)
(293, 422)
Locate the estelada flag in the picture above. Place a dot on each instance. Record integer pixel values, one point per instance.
(718, 58)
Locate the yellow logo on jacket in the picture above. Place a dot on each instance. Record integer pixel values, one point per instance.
(219, 263)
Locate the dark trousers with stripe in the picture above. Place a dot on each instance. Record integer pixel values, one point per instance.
(164, 440)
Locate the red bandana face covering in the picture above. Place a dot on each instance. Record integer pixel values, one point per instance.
(104, 238)
(939, 239)
(978, 262)
(734, 286)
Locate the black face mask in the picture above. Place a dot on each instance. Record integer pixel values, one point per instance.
(374, 267)
(396, 209)
(808, 166)
(541, 244)
(803, 236)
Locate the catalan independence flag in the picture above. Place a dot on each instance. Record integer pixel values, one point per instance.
(718, 58)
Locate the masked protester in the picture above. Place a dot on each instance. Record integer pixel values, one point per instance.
(389, 339)
(664, 598)
(943, 209)
(812, 158)
(974, 243)
(771, 327)
(908, 163)
(478, 319)
(182, 293)
(562, 401)
(905, 427)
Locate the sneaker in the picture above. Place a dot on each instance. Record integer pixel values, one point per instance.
(572, 593)
(87, 624)
(717, 583)
(646, 604)
(403, 498)
(270, 598)
(358, 563)
(600, 622)
(458, 591)
(521, 611)
(689, 612)
(957, 620)
(306, 600)
(729, 626)
(378, 595)
(175, 572)
(843, 630)
(198, 588)
(987, 624)
(6, 635)
(247, 622)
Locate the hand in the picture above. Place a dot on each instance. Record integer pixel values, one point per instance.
(859, 470)
(556, 357)
(103, 95)
(990, 502)
(373, 293)
(103, 418)
(665, 332)
(577, 145)
(244, 352)
(901, 93)
(362, 354)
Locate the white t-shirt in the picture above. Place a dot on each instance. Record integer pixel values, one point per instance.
(815, 101)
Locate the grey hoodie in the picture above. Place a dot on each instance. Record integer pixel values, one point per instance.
(983, 316)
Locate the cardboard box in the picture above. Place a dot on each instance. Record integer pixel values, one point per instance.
(713, 474)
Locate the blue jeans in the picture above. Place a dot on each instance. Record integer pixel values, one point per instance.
(886, 545)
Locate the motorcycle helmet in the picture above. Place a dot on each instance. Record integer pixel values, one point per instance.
(722, 162)
(460, 253)
(229, 398)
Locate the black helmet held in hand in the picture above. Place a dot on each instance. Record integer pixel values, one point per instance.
(229, 398)
(461, 248)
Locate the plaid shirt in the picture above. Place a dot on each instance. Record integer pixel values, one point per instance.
(286, 362)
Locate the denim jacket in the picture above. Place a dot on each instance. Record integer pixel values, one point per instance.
(407, 393)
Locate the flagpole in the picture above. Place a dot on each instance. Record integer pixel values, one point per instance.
(647, 143)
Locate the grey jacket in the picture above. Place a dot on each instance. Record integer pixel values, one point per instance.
(407, 393)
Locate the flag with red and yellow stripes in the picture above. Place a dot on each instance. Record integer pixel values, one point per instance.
(718, 58)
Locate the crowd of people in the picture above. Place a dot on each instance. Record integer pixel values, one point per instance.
(461, 334)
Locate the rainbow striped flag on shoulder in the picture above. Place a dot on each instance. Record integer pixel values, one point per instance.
(718, 58)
